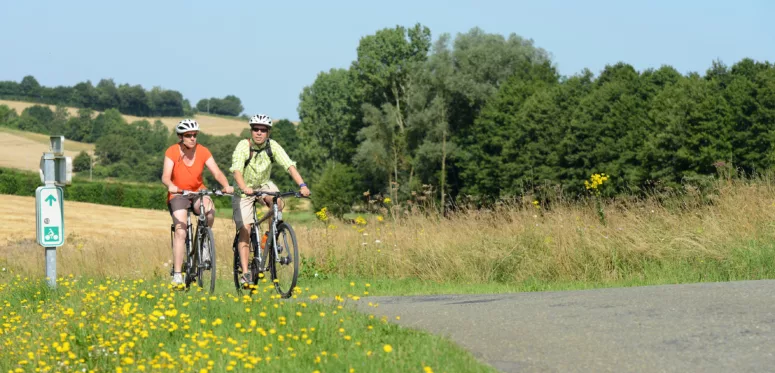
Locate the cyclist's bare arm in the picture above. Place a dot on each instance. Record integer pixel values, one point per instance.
(219, 176)
(241, 183)
(297, 178)
(166, 175)
(295, 175)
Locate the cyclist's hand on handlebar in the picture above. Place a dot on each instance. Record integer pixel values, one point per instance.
(172, 188)
(228, 190)
(305, 191)
(247, 191)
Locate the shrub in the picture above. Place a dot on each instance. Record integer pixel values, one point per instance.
(337, 189)
(82, 162)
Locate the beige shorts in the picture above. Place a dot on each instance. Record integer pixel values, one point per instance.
(244, 208)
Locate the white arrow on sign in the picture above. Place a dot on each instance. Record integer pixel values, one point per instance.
(50, 216)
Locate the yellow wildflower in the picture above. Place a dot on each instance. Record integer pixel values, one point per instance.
(595, 181)
(322, 215)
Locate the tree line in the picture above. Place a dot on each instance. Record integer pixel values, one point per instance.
(133, 151)
(479, 117)
(127, 99)
(229, 105)
(488, 117)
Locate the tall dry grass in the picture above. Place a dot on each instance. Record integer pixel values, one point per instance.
(724, 233)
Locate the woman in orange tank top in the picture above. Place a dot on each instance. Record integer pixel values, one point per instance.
(184, 164)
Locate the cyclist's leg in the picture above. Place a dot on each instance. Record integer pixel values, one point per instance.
(271, 187)
(178, 209)
(243, 216)
(209, 209)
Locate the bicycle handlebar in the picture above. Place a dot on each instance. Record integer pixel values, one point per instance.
(259, 193)
(203, 192)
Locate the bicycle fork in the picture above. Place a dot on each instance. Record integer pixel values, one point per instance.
(277, 248)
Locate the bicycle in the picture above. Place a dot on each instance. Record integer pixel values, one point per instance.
(199, 253)
(272, 261)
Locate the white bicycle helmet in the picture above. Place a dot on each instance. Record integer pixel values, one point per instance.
(186, 125)
(260, 119)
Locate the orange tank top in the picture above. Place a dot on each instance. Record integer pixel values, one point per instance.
(187, 177)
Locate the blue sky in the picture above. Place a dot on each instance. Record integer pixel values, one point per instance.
(266, 52)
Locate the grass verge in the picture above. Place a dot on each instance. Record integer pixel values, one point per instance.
(128, 325)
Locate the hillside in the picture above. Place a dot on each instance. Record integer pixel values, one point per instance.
(22, 150)
(210, 124)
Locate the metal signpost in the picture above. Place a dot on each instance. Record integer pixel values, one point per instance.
(55, 170)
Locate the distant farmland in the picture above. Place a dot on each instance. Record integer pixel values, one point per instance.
(22, 150)
(210, 124)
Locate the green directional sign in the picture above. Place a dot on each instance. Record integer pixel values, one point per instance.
(52, 235)
(50, 218)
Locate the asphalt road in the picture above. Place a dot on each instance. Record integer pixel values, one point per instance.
(711, 327)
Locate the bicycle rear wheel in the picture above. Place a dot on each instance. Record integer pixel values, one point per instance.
(284, 269)
(206, 260)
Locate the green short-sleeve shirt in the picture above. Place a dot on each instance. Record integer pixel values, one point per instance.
(258, 171)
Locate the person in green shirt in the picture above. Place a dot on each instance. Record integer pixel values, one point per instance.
(251, 166)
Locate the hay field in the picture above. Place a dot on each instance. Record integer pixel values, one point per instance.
(19, 106)
(722, 234)
(210, 124)
(101, 240)
(106, 240)
(22, 150)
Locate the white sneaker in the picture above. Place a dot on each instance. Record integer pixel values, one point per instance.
(177, 279)
(244, 280)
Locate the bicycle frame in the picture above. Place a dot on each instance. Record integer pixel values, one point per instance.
(277, 217)
(254, 231)
(274, 258)
(192, 235)
(201, 222)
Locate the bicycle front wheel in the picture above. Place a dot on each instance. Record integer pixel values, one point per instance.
(189, 261)
(206, 264)
(284, 261)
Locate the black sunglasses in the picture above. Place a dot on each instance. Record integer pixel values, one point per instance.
(259, 129)
(189, 135)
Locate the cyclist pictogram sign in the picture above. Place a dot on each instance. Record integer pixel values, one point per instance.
(50, 216)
